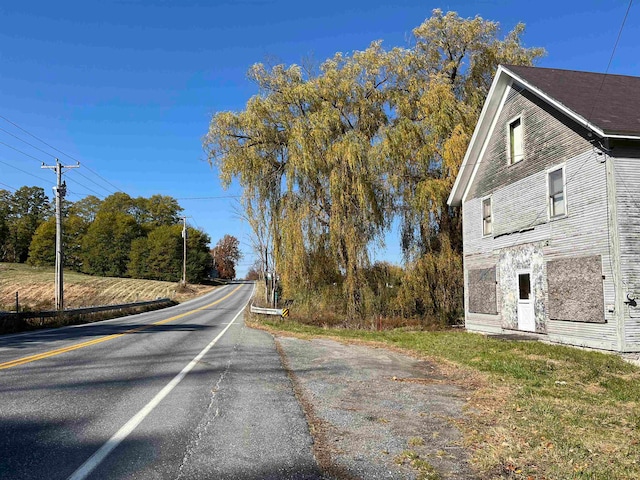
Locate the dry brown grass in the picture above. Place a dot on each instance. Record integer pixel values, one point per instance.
(35, 286)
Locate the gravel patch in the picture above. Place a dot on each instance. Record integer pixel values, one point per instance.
(370, 408)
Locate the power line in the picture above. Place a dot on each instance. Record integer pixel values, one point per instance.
(23, 153)
(59, 151)
(8, 186)
(117, 189)
(615, 46)
(84, 176)
(40, 161)
(194, 221)
(84, 186)
(37, 138)
(96, 183)
(209, 198)
(24, 141)
(79, 195)
(46, 153)
(46, 180)
(24, 171)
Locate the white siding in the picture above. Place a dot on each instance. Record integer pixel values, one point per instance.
(522, 205)
(627, 175)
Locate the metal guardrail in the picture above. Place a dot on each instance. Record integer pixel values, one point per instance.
(12, 322)
(281, 312)
(80, 311)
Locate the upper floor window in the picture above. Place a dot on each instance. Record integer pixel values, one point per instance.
(487, 220)
(557, 200)
(516, 141)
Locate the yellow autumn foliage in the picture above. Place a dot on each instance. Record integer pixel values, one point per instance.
(328, 161)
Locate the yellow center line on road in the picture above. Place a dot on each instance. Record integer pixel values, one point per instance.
(58, 351)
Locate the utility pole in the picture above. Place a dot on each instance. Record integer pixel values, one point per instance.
(184, 253)
(60, 191)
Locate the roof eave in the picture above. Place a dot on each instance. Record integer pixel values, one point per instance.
(622, 135)
(503, 78)
(491, 105)
(569, 112)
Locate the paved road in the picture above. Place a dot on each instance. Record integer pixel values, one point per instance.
(183, 393)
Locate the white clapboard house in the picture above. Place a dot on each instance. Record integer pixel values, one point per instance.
(550, 195)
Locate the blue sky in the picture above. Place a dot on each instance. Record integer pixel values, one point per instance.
(128, 86)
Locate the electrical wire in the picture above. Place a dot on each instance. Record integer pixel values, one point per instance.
(209, 198)
(23, 153)
(42, 162)
(194, 221)
(57, 150)
(24, 141)
(73, 180)
(76, 172)
(606, 72)
(24, 171)
(37, 138)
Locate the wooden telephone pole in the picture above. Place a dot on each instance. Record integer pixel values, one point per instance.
(60, 191)
(184, 251)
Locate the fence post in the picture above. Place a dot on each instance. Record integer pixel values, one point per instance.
(17, 303)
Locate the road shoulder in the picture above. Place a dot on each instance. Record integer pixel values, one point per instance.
(376, 413)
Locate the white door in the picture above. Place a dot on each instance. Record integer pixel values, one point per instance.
(526, 318)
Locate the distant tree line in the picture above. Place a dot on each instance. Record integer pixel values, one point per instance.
(119, 236)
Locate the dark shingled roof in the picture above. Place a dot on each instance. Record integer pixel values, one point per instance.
(610, 102)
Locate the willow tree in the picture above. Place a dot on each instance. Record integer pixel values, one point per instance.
(304, 150)
(326, 161)
(442, 82)
(441, 86)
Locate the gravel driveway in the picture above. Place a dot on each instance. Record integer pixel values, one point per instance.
(375, 413)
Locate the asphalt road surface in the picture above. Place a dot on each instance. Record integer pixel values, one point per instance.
(183, 393)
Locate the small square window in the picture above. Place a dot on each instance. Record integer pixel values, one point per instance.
(516, 141)
(487, 220)
(524, 286)
(557, 202)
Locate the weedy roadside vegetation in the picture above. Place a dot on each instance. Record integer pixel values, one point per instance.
(534, 410)
(425, 470)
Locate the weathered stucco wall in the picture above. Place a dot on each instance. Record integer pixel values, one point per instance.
(511, 260)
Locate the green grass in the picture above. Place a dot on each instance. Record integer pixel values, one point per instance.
(537, 410)
(424, 470)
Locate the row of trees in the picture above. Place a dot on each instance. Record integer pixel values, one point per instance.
(119, 236)
(329, 157)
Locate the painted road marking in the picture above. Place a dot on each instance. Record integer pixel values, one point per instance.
(58, 351)
(83, 325)
(94, 460)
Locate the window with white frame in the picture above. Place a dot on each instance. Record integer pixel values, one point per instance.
(557, 200)
(487, 219)
(516, 141)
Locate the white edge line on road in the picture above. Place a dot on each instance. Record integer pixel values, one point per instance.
(94, 460)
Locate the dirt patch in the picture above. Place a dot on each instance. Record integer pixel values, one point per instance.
(376, 413)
